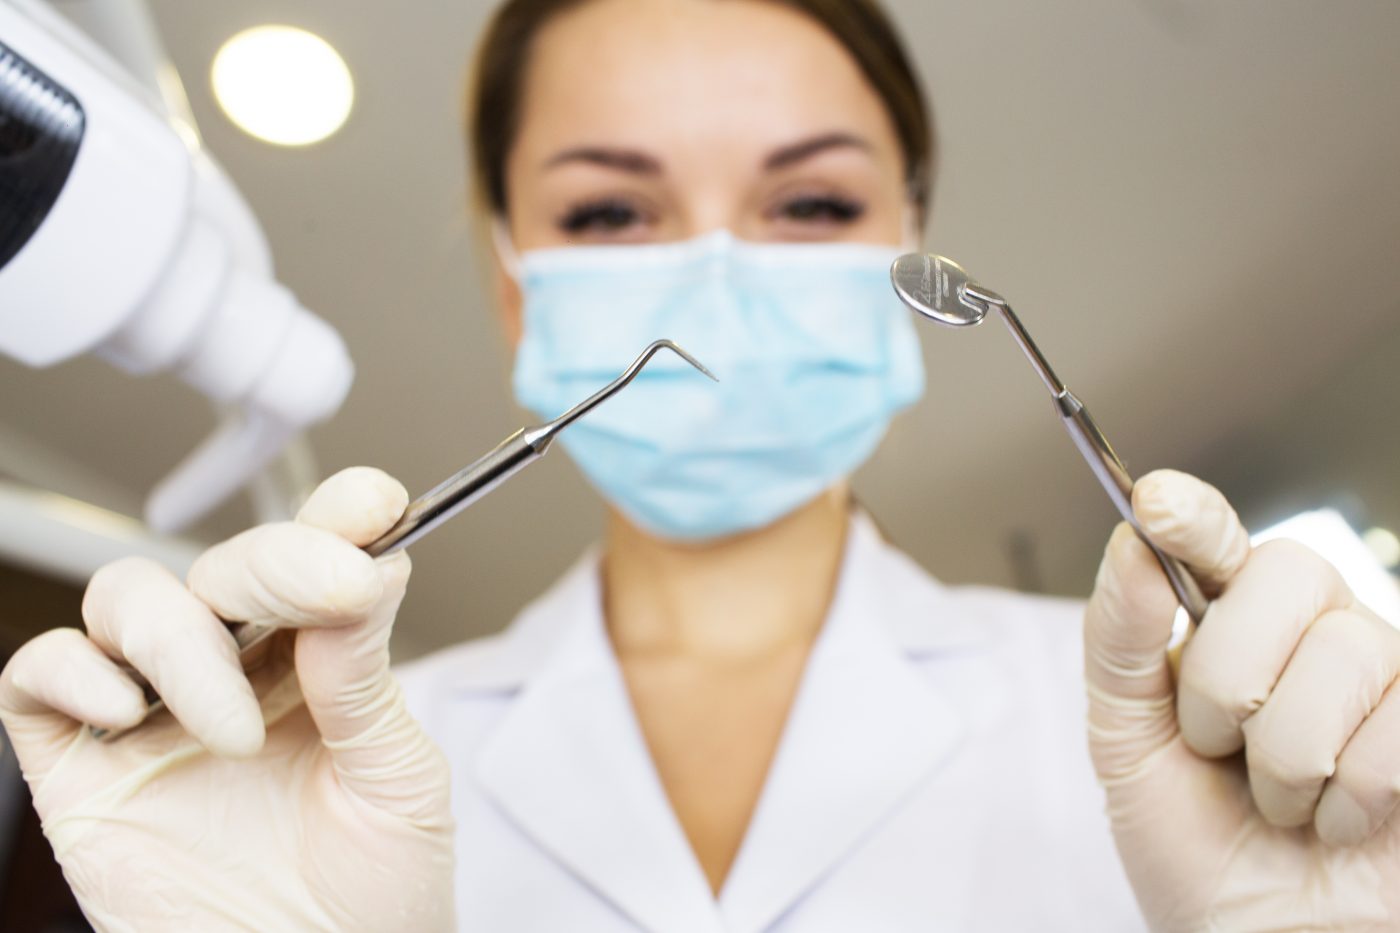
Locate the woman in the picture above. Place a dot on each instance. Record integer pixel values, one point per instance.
(744, 711)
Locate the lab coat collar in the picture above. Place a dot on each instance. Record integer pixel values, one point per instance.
(921, 616)
(570, 767)
(865, 729)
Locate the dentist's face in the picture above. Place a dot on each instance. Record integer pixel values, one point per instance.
(659, 120)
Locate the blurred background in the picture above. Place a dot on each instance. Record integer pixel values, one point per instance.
(1194, 206)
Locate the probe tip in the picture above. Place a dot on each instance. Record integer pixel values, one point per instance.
(676, 348)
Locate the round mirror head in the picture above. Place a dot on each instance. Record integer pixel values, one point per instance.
(933, 286)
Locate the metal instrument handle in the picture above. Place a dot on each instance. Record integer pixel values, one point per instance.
(927, 283)
(458, 491)
(1113, 476)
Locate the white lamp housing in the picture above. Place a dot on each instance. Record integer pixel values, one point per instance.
(122, 238)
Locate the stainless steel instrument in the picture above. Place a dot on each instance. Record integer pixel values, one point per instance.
(445, 500)
(942, 291)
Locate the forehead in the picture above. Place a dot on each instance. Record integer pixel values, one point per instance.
(744, 74)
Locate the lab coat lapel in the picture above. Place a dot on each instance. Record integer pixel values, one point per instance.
(865, 729)
(570, 767)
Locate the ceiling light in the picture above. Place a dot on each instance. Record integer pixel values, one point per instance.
(283, 85)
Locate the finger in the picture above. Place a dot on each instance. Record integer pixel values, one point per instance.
(53, 684)
(358, 503)
(136, 610)
(287, 574)
(309, 572)
(1365, 790)
(1237, 655)
(380, 752)
(1337, 675)
(1160, 797)
(1193, 522)
(1127, 625)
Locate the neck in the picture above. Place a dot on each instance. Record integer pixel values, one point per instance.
(739, 598)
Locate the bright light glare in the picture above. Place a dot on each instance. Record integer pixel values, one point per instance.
(1327, 533)
(1384, 545)
(283, 85)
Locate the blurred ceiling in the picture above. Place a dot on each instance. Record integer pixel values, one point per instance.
(1193, 205)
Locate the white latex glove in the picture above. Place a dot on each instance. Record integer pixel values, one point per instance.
(1257, 792)
(326, 809)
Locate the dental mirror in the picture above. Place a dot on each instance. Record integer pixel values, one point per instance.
(936, 287)
(942, 291)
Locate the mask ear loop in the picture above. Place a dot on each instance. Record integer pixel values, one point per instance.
(505, 249)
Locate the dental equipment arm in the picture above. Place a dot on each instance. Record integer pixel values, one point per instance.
(120, 237)
(942, 291)
(457, 492)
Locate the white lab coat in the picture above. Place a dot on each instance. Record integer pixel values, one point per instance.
(933, 774)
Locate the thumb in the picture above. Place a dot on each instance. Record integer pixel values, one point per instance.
(380, 752)
(1129, 618)
(1127, 625)
(1174, 815)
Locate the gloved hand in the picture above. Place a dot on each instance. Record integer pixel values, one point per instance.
(1258, 790)
(326, 809)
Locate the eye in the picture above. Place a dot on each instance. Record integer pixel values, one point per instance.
(820, 209)
(605, 216)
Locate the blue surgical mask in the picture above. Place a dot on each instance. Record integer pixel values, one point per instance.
(813, 351)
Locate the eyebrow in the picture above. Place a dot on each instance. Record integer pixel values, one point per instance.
(796, 152)
(624, 160)
(636, 162)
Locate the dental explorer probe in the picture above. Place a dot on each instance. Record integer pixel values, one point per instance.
(942, 291)
(445, 500)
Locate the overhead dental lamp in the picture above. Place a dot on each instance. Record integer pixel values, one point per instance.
(120, 237)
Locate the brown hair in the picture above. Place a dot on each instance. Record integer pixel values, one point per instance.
(861, 26)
